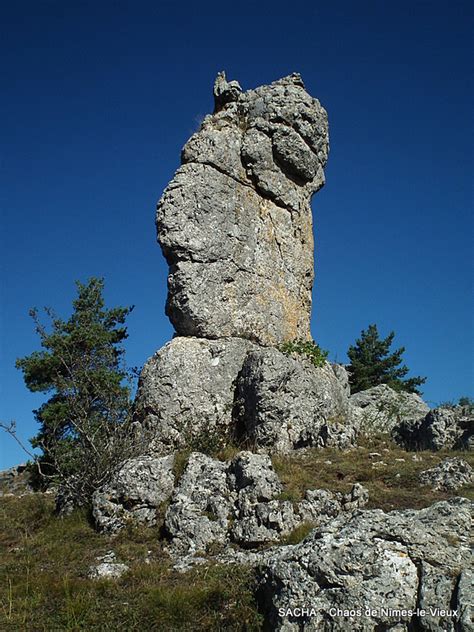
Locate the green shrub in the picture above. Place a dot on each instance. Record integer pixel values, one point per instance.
(308, 348)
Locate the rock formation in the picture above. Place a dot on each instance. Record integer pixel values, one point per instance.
(235, 223)
(383, 565)
(450, 475)
(381, 409)
(235, 226)
(286, 402)
(450, 428)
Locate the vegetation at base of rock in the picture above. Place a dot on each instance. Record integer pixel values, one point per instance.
(390, 474)
(85, 424)
(308, 348)
(372, 363)
(44, 584)
(299, 534)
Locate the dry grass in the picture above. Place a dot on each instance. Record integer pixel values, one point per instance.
(44, 584)
(391, 477)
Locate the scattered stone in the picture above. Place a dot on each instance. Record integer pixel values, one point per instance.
(372, 560)
(449, 475)
(235, 223)
(134, 494)
(107, 568)
(285, 402)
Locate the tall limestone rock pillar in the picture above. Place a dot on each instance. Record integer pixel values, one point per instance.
(235, 222)
(235, 227)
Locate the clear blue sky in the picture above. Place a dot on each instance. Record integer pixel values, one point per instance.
(98, 99)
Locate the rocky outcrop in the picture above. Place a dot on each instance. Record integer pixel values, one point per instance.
(371, 571)
(449, 475)
(442, 428)
(217, 503)
(16, 481)
(235, 222)
(134, 494)
(381, 409)
(186, 393)
(285, 402)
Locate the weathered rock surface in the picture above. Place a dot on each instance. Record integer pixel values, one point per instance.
(371, 560)
(449, 428)
(134, 494)
(238, 502)
(449, 475)
(235, 222)
(380, 408)
(186, 393)
(285, 402)
(201, 506)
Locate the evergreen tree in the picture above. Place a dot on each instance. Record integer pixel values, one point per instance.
(81, 366)
(371, 364)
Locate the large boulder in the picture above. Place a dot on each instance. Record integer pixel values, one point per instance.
(186, 393)
(450, 428)
(285, 402)
(235, 223)
(371, 571)
(381, 409)
(134, 494)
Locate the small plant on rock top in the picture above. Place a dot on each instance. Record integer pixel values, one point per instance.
(308, 348)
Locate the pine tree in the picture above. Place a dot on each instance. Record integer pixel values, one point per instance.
(371, 364)
(81, 366)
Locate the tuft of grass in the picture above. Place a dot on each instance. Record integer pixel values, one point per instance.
(299, 533)
(180, 461)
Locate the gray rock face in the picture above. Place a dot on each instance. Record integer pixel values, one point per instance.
(449, 428)
(235, 222)
(450, 475)
(218, 503)
(285, 402)
(372, 560)
(200, 507)
(465, 600)
(134, 494)
(186, 393)
(380, 408)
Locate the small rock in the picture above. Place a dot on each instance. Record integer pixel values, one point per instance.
(107, 568)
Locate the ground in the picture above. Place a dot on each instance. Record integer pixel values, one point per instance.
(45, 559)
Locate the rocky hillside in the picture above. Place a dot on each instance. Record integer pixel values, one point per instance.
(332, 511)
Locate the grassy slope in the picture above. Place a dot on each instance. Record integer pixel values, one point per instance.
(44, 560)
